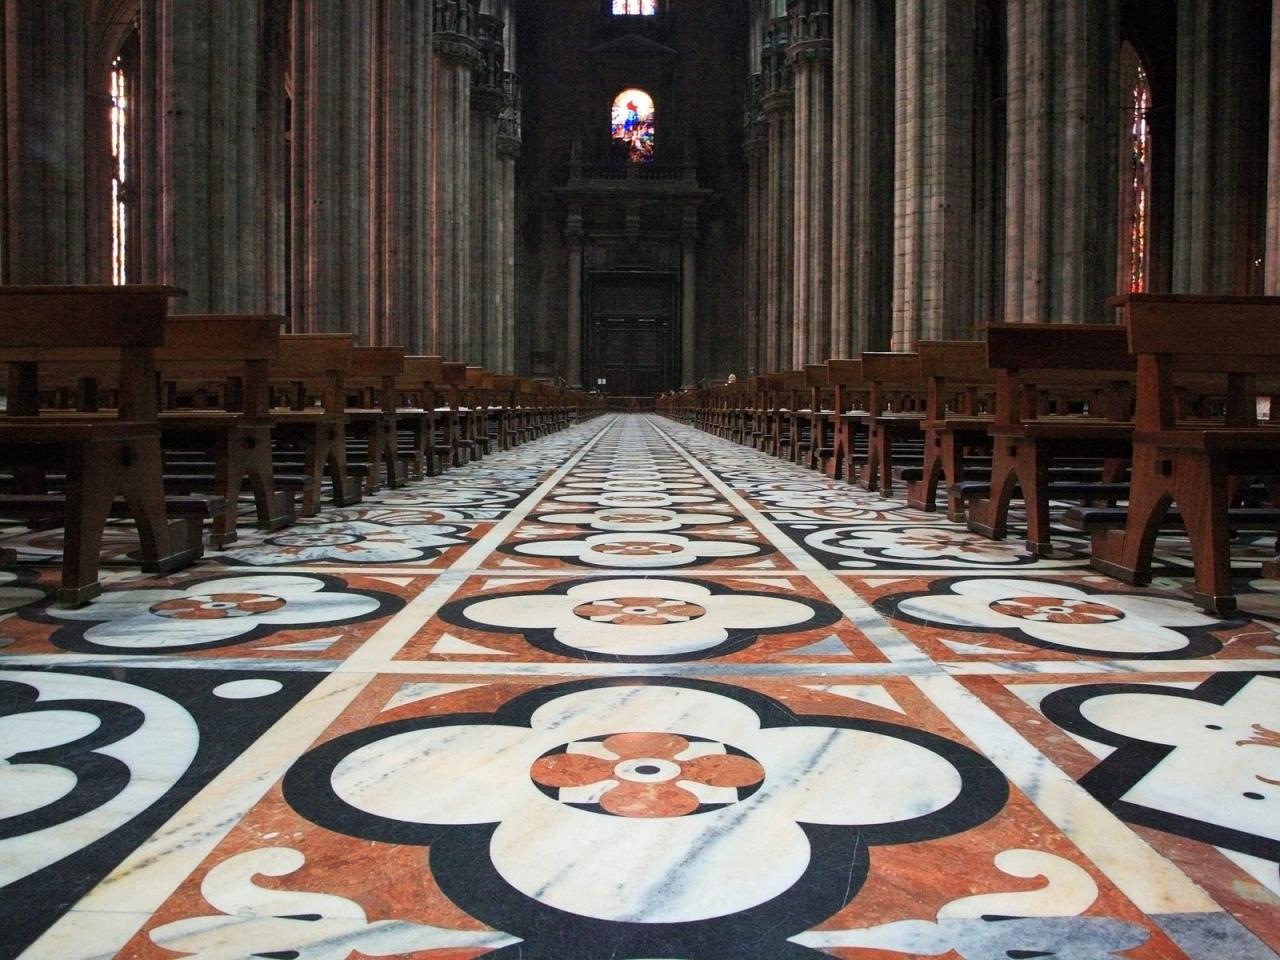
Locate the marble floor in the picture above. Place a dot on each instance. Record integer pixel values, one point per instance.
(631, 691)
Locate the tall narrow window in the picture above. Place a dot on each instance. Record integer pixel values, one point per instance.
(1136, 170)
(121, 115)
(633, 127)
(635, 8)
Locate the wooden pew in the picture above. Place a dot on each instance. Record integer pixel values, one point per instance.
(850, 393)
(416, 415)
(894, 415)
(956, 377)
(1090, 360)
(372, 435)
(822, 418)
(1191, 462)
(315, 365)
(111, 463)
(231, 445)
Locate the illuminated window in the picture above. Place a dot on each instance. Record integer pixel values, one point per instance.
(1136, 194)
(633, 125)
(121, 110)
(635, 8)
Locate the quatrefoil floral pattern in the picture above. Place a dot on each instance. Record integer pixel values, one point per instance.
(639, 619)
(638, 810)
(1059, 616)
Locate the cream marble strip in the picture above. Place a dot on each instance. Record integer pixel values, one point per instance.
(150, 875)
(892, 643)
(1076, 669)
(1153, 883)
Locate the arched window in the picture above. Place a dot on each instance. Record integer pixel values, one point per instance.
(1135, 171)
(121, 158)
(633, 125)
(635, 8)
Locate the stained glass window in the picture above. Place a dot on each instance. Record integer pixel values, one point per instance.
(1138, 178)
(635, 8)
(633, 125)
(120, 116)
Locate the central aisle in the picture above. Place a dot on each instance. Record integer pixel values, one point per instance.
(632, 691)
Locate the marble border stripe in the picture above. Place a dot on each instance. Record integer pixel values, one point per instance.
(148, 877)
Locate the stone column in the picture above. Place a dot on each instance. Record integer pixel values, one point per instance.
(330, 175)
(755, 142)
(1273, 162)
(862, 176)
(487, 101)
(573, 342)
(933, 194)
(509, 137)
(689, 297)
(809, 54)
(210, 228)
(400, 265)
(1219, 229)
(44, 139)
(1061, 196)
(455, 55)
(780, 212)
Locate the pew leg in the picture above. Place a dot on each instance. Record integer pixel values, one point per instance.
(228, 478)
(1034, 474)
(274, 507)
(886, 464)
(1126, 554)
(990, 517)
(93, 478)
(868, 473)
(167, 545)
(345, 491)
(922, 494)
(1202, 492)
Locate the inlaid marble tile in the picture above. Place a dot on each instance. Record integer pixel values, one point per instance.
(626, 618)
(1066, 617)
(272, 614)
(92, 762)
(657, 817)
(1190, 760)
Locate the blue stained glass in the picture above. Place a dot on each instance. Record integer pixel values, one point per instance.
(633, 126)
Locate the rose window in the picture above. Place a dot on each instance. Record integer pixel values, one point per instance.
(1056, 610)
(640, 611)
(217, 606)
(647, 775)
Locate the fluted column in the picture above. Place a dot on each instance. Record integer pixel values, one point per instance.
(400, 266)
(455, 55)
(933, 193)
(573, 340)
(509, 138)
(487, 101)
(862, 176)
(755, 142)
(330, 181)
(211, 223)
(1273, 162)
(44, 137)
(1220, 188)
(780, 208)
(689, 298)
(809, 55)
(1061, 213)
